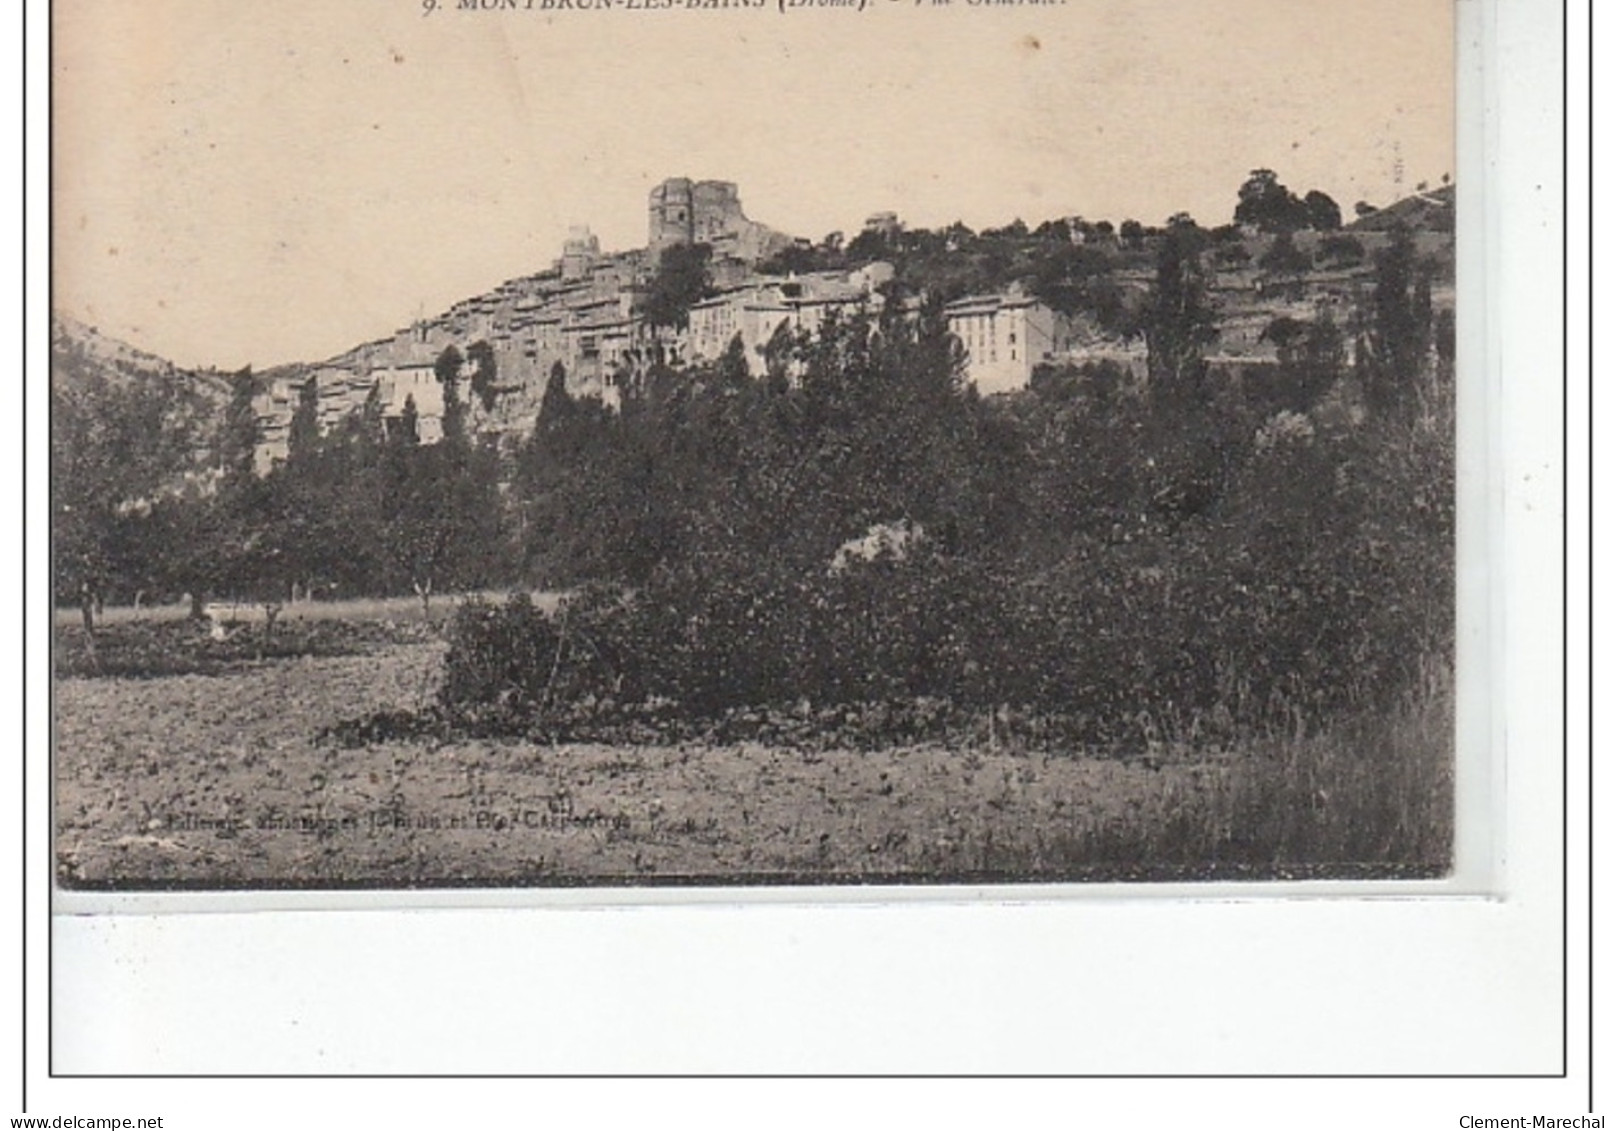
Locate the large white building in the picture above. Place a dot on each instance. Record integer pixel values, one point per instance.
(412, 382)
(1005, 337)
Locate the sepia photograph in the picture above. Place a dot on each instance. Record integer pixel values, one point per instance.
(503, 444)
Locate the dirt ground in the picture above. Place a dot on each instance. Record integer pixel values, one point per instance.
(406, 610)
(218, 781)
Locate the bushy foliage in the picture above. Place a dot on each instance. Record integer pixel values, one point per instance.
(1316, 579)
(503, 656)
(1113, 558)
(1343, 251)
(683, 278)
(1393, 353)
(360, 510)
(122, 440)
(1270, 206)
(1283, 258)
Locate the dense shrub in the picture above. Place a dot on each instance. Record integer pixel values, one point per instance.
(510, 663)
(1319, 584)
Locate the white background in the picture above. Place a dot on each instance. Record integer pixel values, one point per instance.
(1119, 985)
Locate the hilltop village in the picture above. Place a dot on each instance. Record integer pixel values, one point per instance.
(1107, 482)
(588, 313)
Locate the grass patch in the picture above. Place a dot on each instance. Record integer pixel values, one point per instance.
(1366, 797)
(150, 649)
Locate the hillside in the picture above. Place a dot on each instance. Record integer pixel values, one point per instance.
(81, 353)
(1431, 211)
(126, 427)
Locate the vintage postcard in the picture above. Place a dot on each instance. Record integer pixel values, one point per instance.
(600, 443)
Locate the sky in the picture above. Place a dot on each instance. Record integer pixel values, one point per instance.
(261, 183)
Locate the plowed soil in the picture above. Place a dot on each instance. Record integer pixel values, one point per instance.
(218, 781)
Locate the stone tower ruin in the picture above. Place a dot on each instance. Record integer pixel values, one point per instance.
(579, 253)
(683, 211)
(672, 213)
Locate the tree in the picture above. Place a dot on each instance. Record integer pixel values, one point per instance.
(303, 436)
(201, 544)
(120, 443)
(732, 370)
(1096, 384)
(1311, 358)
(1284, 332)
(1393, 349)
(957, 236)
(1345, 251)
(799, 259)
(485, 377)
(448, 365)
(332, 500)
(447, 370)
(871, 244)
(1267, 204)
(420, 523)
(1132, 234)
(238, 439)
(1283, 258)
(408, 431)
(368, 427)
(307, 488)
(1058, 231)
(1322, 360)
(1072, 277)
(268, 530)
(1178, 320)
(223, 540)
(438, 505)
(1323, 214)
(683, 278)
(1446, 344)
(557, 403)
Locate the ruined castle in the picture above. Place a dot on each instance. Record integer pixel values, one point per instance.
(684, 212)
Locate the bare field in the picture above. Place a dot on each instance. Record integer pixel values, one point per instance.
(404, 610)
(217, 781)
